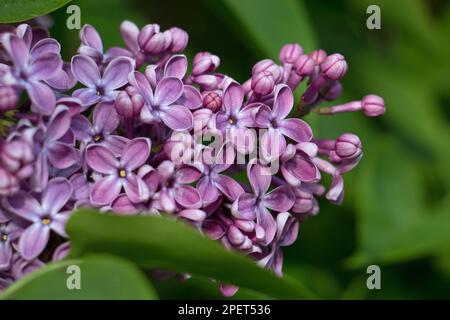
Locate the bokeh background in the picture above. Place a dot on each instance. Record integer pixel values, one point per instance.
(396, 213)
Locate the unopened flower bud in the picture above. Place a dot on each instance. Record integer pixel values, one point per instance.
(146, 34)
(373, 105)
(212, 100)
(304, 65)
(8, 183)
(179, 39)
(268, 65)
(348, 146)
(334, 66)
(129, 103)
(152, 41)
(318, 56)
(290, 53)
(205, 62)
(263, 83)
(304, 201)
(333, 92)
(8, 98)
(15, 154)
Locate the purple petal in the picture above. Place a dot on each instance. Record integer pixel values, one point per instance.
(152, 179)
(63, 79)
(25, 206)
(273, 143)
(228, 186)
(168, 91)
(287, 229)
(296, 129)
(89, 36)
(247, 116)
(105, 191)
(85, 70)
(336, 191)
(59, 222)
(136, 189)
(279, 199)
(192, 214)
(34, 240)
(136, 153)
(81, 127)
(207, 190)
(59, 124)
(191, 98)
(87, 96)
(56, 195)
(244, 207)
(167, 200)
(303, 169)
(176, 67)
(40, 177)
(115, 143)
(233, 97)
(42, 97)
(265, 219)
(45, 66)
(140, 82)
(124, 206)
(101, 160)
(105, 118)
(260, 178)
(283, 102)
(228, 290)
(17, 49)
(61, 155)
(177, 117)
(188, 197)
(188, 174)
(116, 73)
(5, 255)
(130, 32)
(45, 46)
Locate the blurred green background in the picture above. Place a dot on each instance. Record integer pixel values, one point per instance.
(396, 213)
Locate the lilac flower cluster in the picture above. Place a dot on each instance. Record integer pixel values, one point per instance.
(112, 143)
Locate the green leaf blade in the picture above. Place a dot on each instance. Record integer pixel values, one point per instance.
(21, 10)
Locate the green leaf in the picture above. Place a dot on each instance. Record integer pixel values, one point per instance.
(274, 23)
(158, 242)
(102, 277)
(20, 10)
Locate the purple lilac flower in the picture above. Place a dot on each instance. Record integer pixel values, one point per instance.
(118, 173)
(44, 215)
(256, 205)
(273, 141)
(9, 233)
(101, 86)
(31, 68)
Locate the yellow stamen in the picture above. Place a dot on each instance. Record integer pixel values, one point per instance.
(46, 221)
(4, 237)
(230, 121)
(122, 173)
(97, 138)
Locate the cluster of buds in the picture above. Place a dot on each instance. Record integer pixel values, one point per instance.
(136, 139)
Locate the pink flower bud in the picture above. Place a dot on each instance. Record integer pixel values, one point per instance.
(318, 56)
(8, 183)
(179, 39)
(373, 105)
(304, 65)
(212, 100)
(263, 83)
(15, 154)
(348, 146)
(146, 34)
(334, 66)
(205, 62)
(129, 103)
(8, 98)
(333, 92)
(268, 65)
(290, 53)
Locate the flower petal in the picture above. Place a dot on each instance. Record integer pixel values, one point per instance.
(25, 206)
(265, 219)
(105, 191)
(273, 144)
(116, 73)
(296, 129)
(168, 91)
(42, 97)
(45, 66)
(85, 70)
(188, 174)
(191, 98)
(260, 178)
(5, 255)
(59, 124)
(283, 102)
(17, 49)
(244, 207)
(115, 143)
(101, 160)
(140, 82)
(129, 32)
(192, 214)
(34, 240)
(105, 118)
(136, 189)
(207, 190)
(233, 97)
(56, 195)
(228, 186)
(45, 46)
(279, 199)
(188, 197)
(81, 127)
(136, 153)
(177, 117)
(87, 96)
(89, 36)
(61, 155)
(176, 67)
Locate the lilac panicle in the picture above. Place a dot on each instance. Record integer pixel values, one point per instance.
(147, 134)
